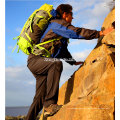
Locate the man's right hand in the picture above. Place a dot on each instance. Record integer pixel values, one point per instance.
(106, 31)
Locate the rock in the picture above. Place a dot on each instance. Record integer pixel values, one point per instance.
(19, 117)
(10, 118)
(15, 118)
(90, 92)
(110, 38)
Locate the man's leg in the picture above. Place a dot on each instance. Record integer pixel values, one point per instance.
(53, 78)
(40, 67)
(37, 104)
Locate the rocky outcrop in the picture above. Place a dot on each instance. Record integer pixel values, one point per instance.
(90, 92)
(15, 118)
(23, 117)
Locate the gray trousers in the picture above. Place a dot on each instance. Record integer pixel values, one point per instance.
(47, 72)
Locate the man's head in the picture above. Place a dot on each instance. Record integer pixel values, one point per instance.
(65, 12)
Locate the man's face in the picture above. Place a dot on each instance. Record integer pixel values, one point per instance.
(67, 17)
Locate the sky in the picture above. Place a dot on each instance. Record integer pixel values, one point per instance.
(19, 81)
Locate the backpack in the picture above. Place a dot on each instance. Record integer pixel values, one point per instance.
(41, 18)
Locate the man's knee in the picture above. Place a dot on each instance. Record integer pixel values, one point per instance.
(59, 65)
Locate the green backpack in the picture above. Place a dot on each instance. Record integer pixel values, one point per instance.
(39, 17)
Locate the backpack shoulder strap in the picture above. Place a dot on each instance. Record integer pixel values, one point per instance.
(49, 41)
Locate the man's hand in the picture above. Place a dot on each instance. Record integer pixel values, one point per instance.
(106, 31)
(78, 63)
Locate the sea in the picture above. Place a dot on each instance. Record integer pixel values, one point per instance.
(16, 111)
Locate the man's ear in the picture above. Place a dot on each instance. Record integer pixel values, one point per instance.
(64, 15)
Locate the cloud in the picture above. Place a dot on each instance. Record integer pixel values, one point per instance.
(18, 74)
(77, 42)
(79, 5)
(92, 24)
(100, 9)
(90, 14)
(85, 4)
(81, 56)
(19, 84)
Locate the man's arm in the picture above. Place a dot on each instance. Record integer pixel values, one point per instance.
(67, 57)
(62, 28)
(67, 30)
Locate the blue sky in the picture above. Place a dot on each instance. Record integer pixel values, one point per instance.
(20, 84)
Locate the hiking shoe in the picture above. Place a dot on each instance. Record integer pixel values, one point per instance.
(51, 110)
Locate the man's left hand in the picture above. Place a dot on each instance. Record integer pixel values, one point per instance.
(78, 63)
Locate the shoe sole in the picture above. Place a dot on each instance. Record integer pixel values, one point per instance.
(47, 114)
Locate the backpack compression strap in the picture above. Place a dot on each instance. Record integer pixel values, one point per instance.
(39, 46)
(16, 44)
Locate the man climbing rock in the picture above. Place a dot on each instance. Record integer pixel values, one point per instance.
(47, 71)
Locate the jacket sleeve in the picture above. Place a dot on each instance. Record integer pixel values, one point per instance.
(69, 31)
(68, 58)
(63, 52)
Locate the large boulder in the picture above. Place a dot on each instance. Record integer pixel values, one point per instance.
(90, 92)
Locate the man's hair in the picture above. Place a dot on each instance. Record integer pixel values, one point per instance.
(63, 8)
